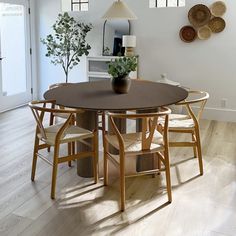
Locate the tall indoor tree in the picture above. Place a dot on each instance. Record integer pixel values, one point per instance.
(68, 42)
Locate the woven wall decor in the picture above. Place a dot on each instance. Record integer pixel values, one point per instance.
(218, 8)
(217, 24)
(204, 21)
(204, 33)
(188, 34)
(199, 15)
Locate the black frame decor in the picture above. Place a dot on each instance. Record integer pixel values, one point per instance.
(78, 3)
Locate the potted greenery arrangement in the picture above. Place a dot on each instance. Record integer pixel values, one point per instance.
(68, 43)
(119, 69)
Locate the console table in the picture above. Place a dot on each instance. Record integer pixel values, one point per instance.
(97, 68)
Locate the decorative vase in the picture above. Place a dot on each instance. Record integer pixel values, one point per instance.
(121, 84)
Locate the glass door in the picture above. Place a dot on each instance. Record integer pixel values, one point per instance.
(15, 61)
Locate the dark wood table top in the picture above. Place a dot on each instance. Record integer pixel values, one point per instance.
(98, 95)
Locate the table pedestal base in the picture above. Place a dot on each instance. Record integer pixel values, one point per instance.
(87, 120)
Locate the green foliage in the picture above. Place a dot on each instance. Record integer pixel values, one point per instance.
(68, 43)
(121, 67)
(106, 51)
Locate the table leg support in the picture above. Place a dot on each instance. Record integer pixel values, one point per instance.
(87, 120)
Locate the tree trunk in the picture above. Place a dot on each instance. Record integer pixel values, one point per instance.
(66, 76)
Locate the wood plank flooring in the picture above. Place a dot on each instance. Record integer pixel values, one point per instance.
(201, 205)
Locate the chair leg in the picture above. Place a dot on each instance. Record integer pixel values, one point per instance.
(50, 123)
(105, 163)
(54, 171)
(35, 157)
(73, 148)
(199, 150)
(158, 163)
(122, 182)
(95, 158)
(105, 168)
(194, 148)
(69, 153)
(168, 179)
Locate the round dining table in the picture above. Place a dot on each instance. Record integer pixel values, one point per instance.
(97, 96)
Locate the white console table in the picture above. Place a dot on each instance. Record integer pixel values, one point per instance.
(97, 68)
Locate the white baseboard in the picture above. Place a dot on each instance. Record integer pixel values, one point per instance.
(219, 114)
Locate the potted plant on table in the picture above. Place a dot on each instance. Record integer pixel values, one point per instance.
(68, 43)
(119, 69)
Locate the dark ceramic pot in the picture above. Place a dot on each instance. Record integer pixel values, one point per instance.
(121, 85)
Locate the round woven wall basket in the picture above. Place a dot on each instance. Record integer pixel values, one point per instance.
(187, 34)
(217, 24)
(204, 33)
(199, 15)
(218, 8)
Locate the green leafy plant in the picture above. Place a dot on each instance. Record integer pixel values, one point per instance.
(121, 67)
(68, 43)
(106, 51)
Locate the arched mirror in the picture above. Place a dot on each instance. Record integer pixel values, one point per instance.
(113, 31)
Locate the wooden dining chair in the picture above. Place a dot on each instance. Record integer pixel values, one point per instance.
(55, 135)
(189, 123)
(148, 141)
(54, 116)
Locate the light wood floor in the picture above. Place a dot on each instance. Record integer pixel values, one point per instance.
(201, 205)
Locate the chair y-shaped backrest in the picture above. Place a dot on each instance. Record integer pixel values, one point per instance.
(149, 125)
(39, 108)
(200, 101)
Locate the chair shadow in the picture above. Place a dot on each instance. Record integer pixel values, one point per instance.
(182, 161)
(84, 205)
(181, 183)
(78, 188)
(185, 182)
(81, 193)
(149, 214)
(123, 225)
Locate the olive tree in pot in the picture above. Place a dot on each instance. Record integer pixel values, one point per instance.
(68, 43)
(119, 69)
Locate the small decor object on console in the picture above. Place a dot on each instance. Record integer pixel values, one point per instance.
(119, 69)
(129, 42)
(68, 43)
(164, 80)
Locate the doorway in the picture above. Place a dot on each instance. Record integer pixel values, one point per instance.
(15, 58)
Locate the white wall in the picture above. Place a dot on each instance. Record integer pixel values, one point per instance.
(208, 65)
